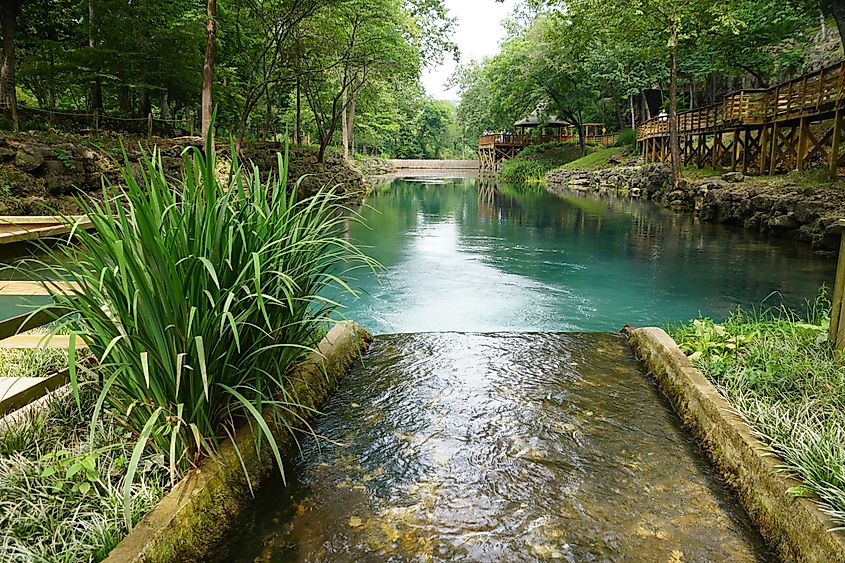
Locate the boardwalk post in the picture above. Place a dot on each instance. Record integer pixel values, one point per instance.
(834, 148)
(764, 146)
(773, 161)
(803, 141)
(717, 145)
(735, 151)
(837, 328)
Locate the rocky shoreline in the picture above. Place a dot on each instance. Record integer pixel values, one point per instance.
(41, 174)
(805, 214)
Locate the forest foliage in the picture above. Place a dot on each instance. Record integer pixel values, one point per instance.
(329, 72)
(610, 60)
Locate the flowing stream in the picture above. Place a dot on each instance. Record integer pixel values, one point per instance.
(505, 439)
(498, 447)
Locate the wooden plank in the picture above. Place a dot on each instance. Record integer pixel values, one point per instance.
(38, 219)
(17, 392)
(18, 229)
(36, 341)
(30, 288)
(27, 321)
(833, 162)
(803, 134)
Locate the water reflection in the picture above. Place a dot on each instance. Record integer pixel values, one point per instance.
(463, 254)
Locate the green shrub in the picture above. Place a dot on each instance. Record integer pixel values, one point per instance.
(524, 170)
(626, 138)
(198, 297)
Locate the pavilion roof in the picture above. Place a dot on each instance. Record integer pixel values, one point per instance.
(535, 120)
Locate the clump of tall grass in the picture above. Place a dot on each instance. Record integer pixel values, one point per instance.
(31, 362)
(197, 297)
(524, 170)
(783, 377)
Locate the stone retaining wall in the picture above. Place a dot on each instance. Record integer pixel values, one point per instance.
(806, 214)
(794, 526)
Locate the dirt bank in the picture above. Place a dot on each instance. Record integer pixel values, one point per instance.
(43, 172)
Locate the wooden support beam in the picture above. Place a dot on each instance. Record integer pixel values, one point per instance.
(764, 147)
(833, 157)
(803, 134)
(836, 335)
(773, 160)
(733, 151)
(717, 145)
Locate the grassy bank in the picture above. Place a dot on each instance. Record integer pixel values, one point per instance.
(595, 160)
(531, 165)
(788, 383)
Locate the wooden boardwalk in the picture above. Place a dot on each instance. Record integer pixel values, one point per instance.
(404, 164)
(15, 228)
(494, 148)
(764, 131)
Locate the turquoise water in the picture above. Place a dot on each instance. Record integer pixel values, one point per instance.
(462, 257)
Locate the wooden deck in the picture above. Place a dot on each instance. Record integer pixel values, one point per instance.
(494, 148)
(14, 228)
(779, 129)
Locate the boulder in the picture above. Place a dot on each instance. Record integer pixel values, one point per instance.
(733, 177)
(29, 160)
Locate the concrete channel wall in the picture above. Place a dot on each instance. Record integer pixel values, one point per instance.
(792, 525)
(435, 164)
(200, 512)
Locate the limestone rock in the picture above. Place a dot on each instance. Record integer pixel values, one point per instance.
(733, 177)
(29, 160)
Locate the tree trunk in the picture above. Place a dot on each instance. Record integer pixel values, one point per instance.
(344, 122)
(124, 101)
(239, 141)
(674, 140)
(164, 104)
(633, 115)
(297, 125)
(838, 9)
(582, 141)
(96, 84)
(646, 108)
(97, 95)
(268, 116)
(208, 67)
(692, 94)
(146, 105)
(353, 103)
(8, 24)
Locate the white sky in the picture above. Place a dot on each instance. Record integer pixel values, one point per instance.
(478, 32)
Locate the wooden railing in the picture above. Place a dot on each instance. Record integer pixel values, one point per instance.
(811, 94)
(527, 140)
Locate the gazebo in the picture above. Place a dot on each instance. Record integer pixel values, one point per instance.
(551, 128)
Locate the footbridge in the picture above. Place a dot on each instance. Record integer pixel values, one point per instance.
(760, 131)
